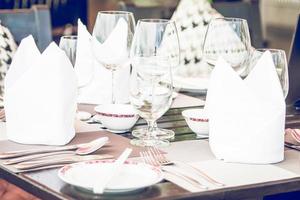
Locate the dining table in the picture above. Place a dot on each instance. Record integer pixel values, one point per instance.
(263, 180)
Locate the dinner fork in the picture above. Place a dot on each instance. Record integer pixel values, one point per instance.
(148, 159)
(160, 159)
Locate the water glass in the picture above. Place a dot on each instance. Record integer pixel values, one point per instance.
(69, 45)
(151, 78)
(230, 39)
(106, 23)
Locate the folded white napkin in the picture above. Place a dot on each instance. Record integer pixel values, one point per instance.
(95, 85)
(40, 96)
(246, 117)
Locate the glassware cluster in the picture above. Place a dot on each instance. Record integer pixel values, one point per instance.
(152, 48)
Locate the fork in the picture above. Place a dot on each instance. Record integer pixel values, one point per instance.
(161, 159)
(149, 159)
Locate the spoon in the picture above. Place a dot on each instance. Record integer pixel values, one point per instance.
(92, 146)
(81, 149)
(84, 149)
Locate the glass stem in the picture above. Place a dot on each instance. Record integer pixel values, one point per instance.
(151, 127)
(155, 126)
(113, 101)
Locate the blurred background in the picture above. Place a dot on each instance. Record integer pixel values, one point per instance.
(276, 19)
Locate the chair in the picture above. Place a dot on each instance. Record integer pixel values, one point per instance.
(23, 22)
(248, 10)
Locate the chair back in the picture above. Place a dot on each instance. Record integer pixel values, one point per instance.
(248, 10)
(23, 22)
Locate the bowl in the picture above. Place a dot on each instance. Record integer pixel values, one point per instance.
(117, 118)
(197, 120)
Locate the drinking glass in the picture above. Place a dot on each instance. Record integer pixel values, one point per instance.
(151, 78)
(106, 23)
(170, 46)
(230, 39)
(280, 62)
(69, 45)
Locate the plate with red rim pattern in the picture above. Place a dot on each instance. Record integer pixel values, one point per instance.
(133, 176)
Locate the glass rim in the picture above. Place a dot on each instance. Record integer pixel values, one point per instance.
(230, 18)
(115, 12)
(71, 37)
(156, 20)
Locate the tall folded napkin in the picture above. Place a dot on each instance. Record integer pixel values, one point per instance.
(246, 117)
(40, 96)
(95, 84)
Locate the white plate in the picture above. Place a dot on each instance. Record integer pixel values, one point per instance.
(134, 176)
(190, 83)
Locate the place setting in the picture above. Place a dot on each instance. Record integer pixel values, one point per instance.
(113, 111)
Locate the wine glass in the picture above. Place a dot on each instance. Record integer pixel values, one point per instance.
(230, 39)
(69, 44)
(151, 78)
(280, 62)
(170, 46)
(114, 30)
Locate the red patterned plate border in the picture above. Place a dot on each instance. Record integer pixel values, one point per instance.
(62, 171)
(116, 115)
(198, 119)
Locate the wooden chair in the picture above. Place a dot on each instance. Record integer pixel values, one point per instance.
(23, 22)
(248, 10)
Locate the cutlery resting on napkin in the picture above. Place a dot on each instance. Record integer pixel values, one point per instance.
(40, 96)
(246, 117)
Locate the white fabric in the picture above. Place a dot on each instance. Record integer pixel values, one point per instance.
(230, 174)
(40, 96)
(95, 85)
(246, 117)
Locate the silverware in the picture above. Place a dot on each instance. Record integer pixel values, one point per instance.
(13, 154)
(59, 161)
(36, 156)
(292, 146)
(187, 179)
(160, 159)
(81, 149)
(115, 169)
(149, 159)
(40, 168)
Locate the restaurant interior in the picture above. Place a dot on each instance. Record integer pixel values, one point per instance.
(150, 99)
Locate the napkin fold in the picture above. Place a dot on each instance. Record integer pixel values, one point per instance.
(94, 80)
(246, 117)
(40, 96)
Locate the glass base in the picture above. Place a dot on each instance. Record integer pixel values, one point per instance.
(161, 134)
(149, 143)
